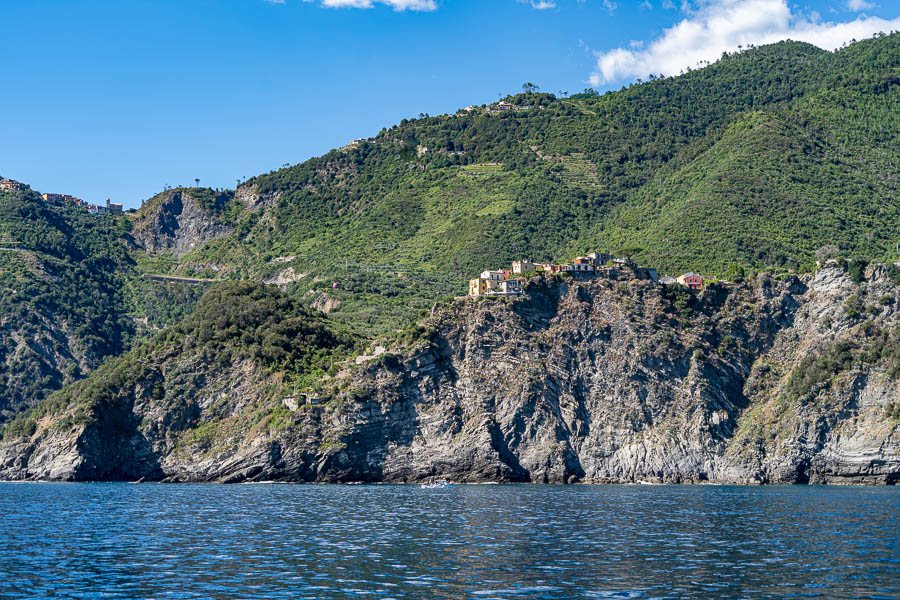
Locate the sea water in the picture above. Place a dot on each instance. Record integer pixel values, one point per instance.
(479, 541)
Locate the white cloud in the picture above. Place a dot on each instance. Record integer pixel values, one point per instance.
(424, 5)
(539, 4)
(718, 26)
(857, 5)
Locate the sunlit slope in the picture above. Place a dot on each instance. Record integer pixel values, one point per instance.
(758, 159)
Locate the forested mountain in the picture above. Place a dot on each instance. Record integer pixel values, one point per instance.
(769, 159)
(761, 159)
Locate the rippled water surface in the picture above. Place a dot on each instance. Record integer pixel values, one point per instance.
(487, 542)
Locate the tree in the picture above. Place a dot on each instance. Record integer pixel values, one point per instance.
(197, 181)
(529, 87)
(735, 273)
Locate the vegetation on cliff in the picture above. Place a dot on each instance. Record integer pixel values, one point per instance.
(239, 330)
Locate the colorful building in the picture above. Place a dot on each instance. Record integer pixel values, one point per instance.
(692, 280)
(492, 275)
(507, 282)
(53, 198)
(483, 286)
(11, 185)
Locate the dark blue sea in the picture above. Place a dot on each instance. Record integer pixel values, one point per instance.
(468, 542)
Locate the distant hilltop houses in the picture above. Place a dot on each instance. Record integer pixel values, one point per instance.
(11, 185)
(507, 282)
(111, 208)
(497, 107)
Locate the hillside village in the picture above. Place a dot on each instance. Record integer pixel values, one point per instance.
(508, 282)
(113, 208)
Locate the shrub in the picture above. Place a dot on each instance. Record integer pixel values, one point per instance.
(892, 411)
(22, 426)
(819, 367)
(680, 298)
(894, 273)
(857, 268)
(735, 273)
(853, 306)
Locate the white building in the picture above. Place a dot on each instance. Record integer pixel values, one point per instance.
(523, 266)
(492, 275)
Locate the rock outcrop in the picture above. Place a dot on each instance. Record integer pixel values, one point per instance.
(175, 220)
(594, 380)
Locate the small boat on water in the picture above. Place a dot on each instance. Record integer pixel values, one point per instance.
(439, 484)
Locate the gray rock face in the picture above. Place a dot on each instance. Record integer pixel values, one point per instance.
(576, 381)
(177, 223)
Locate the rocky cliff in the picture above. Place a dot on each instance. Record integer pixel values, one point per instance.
(182, 219)
(607, 379)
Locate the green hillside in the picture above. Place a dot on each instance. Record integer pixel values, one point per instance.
(71, 296)
(776, 185)
(62, 304)
(759, 159)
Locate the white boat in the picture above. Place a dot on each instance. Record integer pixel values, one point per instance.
(433, 485)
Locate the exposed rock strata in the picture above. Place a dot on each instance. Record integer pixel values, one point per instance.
(176, 222)
(576, 381)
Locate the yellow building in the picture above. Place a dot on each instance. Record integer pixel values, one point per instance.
(483, 286)
(478, 286)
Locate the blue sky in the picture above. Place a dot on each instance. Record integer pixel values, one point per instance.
(121, 97)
